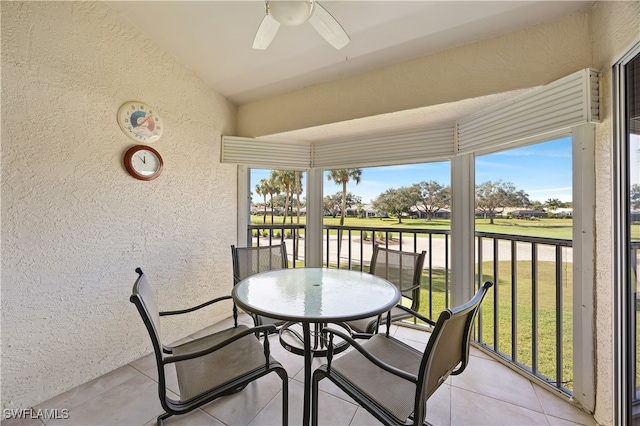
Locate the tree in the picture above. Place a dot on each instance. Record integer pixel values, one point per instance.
(431, 197)
(536, 205)
(262, 189)
(343, 176)
(634, 196)
(552, 204)
(298, 190)
(331, 201)
(285, 180)
(272, 189)
(493, 197)
(395, 201)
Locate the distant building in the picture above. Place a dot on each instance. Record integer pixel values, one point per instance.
(439, 214)
(528, 214)
(561, 212)
(366, 210)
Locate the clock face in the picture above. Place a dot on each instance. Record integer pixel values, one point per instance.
(143, 162)
(140, 122)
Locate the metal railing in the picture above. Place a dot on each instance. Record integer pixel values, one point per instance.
(351, 247)
(527, 320)
(635, 364)
(291, 234)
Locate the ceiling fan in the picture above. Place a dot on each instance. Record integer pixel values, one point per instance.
(297, 12)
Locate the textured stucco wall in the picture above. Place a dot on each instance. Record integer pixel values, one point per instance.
(615, 28)
(528, 58)
(74, 223)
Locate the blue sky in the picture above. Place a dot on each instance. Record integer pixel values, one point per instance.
(542, 170)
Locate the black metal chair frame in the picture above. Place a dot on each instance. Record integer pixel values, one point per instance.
(163, 356)
(237, 278)
(419, 378)
(414, 289)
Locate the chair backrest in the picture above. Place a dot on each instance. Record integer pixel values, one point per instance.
(142, 296)
(402, 268)
(249, 261)
(447, 352)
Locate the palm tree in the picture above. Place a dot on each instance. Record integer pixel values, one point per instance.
(272, 189)
(298, 191)
(552, 204)
(262, 189)
(285, 180)
(343, 176)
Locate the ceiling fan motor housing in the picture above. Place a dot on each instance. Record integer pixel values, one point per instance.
(291, 13)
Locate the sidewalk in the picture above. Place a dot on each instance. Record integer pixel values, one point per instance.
(437, 255)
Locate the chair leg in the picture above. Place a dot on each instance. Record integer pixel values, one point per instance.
(314, 398)
(162, 417)
(285, 396)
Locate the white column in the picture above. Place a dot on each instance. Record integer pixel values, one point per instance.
(583, 264)
(462, 228)
(244, 205)
(313, 232)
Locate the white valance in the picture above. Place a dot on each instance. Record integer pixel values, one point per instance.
(562, 104)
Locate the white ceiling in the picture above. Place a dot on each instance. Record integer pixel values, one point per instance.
(214, 38)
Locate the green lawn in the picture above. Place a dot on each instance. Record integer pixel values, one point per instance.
(433, 291)
(547, 227)
(552, 228)
(430, 306)
(546, 301)
(432, 302)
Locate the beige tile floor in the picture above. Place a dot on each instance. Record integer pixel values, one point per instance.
(487, 393)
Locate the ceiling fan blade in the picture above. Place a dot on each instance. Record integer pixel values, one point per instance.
(328, 27)
(266, 32)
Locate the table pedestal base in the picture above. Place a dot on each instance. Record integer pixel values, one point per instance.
(291, 338)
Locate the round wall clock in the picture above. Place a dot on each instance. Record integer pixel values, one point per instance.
(140, 122)
(143, 162)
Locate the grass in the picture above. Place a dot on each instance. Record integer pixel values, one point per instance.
(434, 297)
(553, 228)
(546, 322)
(434, 293)
(434, 301)
(547, 227)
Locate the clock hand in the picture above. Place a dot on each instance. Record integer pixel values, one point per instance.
(143, 159)
(145, 120)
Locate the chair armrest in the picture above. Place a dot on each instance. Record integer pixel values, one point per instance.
(413, 287)
(195, 308)
(375, 360)
(417, 315)
(202, 352)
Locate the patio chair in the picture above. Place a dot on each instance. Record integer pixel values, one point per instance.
(402, 268)
(208, 368)
(249, 261)
(392, 380)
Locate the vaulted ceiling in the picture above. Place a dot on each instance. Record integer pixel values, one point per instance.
(214, 38)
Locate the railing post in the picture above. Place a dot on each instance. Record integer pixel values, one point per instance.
(534, 308)
(559, 319)
(514, 301)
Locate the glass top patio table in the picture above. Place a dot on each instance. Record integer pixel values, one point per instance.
(315, 295)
